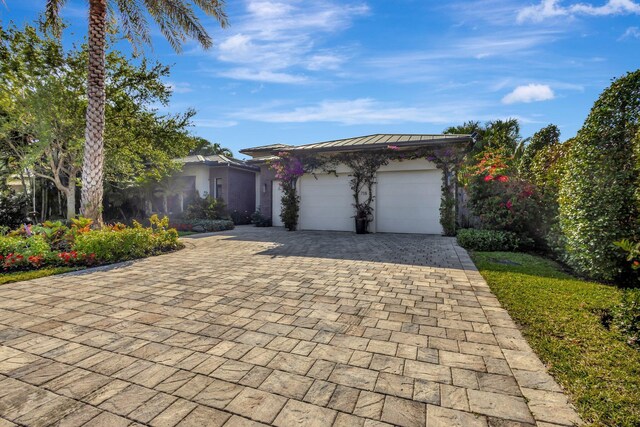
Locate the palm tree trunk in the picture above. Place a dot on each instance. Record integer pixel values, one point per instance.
(93, 161)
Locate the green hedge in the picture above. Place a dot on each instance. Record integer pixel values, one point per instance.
(34, 245)
(490, 240)
(131, 243)
(598, 193)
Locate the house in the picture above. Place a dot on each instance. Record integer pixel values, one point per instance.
(407, 192)
(225, 178)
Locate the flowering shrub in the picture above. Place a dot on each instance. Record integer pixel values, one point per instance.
(29, 248)
(288, 169)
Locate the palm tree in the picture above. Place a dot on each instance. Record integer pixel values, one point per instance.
(177, 22)
(205, 148)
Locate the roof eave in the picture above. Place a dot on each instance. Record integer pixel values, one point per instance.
(371, 147)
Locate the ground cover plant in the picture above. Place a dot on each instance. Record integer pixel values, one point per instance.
(53, 244)
(583, 331)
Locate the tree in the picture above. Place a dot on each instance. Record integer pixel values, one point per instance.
(205, 148)
(42, 121)
(177, 22)
(546, 137)
(598, 192)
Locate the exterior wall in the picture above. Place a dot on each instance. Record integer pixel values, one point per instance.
(327, 202)
(201, 174)
(241, 195)
(267, 181)
(216, 172)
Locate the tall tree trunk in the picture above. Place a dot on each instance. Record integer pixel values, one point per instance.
(93, 161)
(70, 194)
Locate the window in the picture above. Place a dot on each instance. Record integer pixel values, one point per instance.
(218, 188)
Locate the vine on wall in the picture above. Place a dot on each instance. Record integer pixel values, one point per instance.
(364, 167)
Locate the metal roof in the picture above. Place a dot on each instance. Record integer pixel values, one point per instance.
(263, 148)
(382, 140)
(367, 142)
(216, 160)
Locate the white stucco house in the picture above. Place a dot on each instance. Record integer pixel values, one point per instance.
(407, 193)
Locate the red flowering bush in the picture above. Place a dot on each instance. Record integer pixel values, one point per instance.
(502, 200)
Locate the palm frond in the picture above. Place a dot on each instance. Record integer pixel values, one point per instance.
(133, 23)
(52, 15)
(178, 19)
(214, 8)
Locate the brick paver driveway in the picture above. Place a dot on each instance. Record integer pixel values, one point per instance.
(263, 326)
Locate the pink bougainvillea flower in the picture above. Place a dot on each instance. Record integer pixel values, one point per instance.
(488, 178)
(392, 147)
(503, 178)
(509, 205)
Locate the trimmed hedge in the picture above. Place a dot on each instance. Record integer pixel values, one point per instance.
(204, 225)
(599, 191)
(490, 240)
(33, 246)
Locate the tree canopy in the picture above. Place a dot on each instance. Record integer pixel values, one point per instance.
(42, 105)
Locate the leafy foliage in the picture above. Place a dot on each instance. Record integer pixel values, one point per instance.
(208, 208)
(599, 192)
(203, 225)
(204, 147)
(543, 139)
(42, 114)
(288, 169)
(364, 166)
(626, 316)
(489, 240)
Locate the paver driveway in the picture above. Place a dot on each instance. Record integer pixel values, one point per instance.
(263, 326)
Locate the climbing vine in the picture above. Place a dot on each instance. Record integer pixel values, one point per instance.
(364, 166)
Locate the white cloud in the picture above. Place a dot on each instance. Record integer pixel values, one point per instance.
(529, 93)
(214, 123)
(278, 38)
(265, 76)
(552, 8)
(367, 111)
(631, 33)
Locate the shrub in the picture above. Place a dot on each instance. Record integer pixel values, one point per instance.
(240, 218)
(259, 220)
(599, 191)
(13, 208)
(626, 316)
(208, 208)
(35, 245)
(490, 240)
(204, 225)
(115, 244)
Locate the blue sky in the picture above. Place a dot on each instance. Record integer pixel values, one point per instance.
(302, 71)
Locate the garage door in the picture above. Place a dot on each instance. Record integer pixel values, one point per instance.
(276, 204)
(409, 202)
(326, 203)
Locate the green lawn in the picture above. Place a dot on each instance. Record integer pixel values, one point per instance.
(560, 317)
(28, 275)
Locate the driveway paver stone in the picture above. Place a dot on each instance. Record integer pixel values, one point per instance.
(259, 326)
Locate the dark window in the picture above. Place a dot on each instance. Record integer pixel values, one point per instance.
(218, 194)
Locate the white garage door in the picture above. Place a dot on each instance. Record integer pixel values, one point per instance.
(409, 202)
(276, 204)
(326, 203)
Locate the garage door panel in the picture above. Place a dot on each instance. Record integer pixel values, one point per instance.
(409, 202)
(326, 203)
(276, 206)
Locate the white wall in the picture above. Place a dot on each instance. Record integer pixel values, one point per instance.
(201, 172)
(326, 202)
(409, 201)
